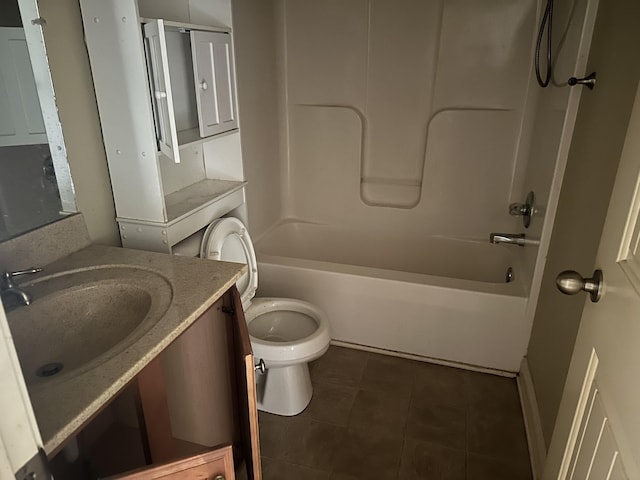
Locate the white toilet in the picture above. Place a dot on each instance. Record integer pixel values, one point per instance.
(285, 333)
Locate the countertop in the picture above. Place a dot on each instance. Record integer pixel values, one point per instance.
(63, 408)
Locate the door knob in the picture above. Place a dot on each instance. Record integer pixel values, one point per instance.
(570, 283)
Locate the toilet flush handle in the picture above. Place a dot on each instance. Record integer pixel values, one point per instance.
(260, 366)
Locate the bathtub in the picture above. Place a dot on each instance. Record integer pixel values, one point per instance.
(439, 298)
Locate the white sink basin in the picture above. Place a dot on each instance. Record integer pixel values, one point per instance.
(80, 319)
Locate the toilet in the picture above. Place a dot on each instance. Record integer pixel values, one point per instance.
(285, 333)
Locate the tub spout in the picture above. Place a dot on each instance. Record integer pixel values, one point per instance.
(512, 238)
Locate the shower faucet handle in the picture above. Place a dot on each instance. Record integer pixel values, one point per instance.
(526, 210)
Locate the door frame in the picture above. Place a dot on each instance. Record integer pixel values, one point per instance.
(20, 439)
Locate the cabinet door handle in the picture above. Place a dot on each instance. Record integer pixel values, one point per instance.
(204, 85)
(219, 477)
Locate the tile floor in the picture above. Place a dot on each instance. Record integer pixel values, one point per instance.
(379, 417)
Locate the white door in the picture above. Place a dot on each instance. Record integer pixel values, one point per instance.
(158, 65)
(19, 436)
(597, 433)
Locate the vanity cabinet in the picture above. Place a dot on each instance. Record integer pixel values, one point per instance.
(167, 419)
(166, 98)
(198, 413)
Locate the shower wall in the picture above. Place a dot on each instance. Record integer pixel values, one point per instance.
(553, 112)
(405, 113)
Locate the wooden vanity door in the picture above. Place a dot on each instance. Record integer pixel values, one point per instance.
(246, 386)
(213, 465)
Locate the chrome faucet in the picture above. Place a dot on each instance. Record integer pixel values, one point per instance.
(7, 287)
(512, 238)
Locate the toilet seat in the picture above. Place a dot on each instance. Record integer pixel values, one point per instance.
(227, 239)
(304, 348)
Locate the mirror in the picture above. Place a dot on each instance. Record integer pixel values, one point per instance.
(35, 182)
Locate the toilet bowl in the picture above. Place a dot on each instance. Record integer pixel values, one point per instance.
(285, 333)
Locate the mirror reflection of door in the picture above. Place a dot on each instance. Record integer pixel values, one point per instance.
(29, 194)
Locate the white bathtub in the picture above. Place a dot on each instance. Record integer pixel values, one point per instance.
(440, 298)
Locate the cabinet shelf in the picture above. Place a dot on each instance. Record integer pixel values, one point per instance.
(191, 137)
(187, 211)
(195, 197)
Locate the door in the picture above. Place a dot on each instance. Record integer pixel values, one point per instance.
(214, 82)
(246, 386)
(21, 451)
(158, 66)
(597, 433)
(213, 465)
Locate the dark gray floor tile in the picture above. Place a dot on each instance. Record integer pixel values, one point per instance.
(389, 374)
(367, 454)
(363, 403)
(343, 366)
(311, 443)
(439, 423)
(331, 403)
(280, 470)
(440, 384)
(272, 430)
(491, 392)
(497, 434)
(428, 461)
(385, 411)
(484, 468)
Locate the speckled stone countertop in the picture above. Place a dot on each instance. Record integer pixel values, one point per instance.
(63, 408)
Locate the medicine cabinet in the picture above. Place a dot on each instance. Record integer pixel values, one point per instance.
(166, 97)
(191, 76)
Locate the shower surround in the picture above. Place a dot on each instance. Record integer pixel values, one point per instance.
(407, 124)
(408, 113)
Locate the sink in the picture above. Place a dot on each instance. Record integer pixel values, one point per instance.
(80, 319)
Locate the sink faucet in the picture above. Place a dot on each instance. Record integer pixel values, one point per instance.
(512, 238)
(7, 287)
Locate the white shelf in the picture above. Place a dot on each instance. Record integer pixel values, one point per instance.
(188, 138)
(195, 197)
(188, 210)
(189, 26)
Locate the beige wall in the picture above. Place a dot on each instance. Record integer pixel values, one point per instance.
(256, 76)
(591, 168)
(78, 113)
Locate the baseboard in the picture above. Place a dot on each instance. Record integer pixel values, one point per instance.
(422, 358)
(532, 423)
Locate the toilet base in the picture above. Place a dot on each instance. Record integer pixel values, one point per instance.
(286, 390)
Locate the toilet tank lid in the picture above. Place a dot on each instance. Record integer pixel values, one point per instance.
(228, 240)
